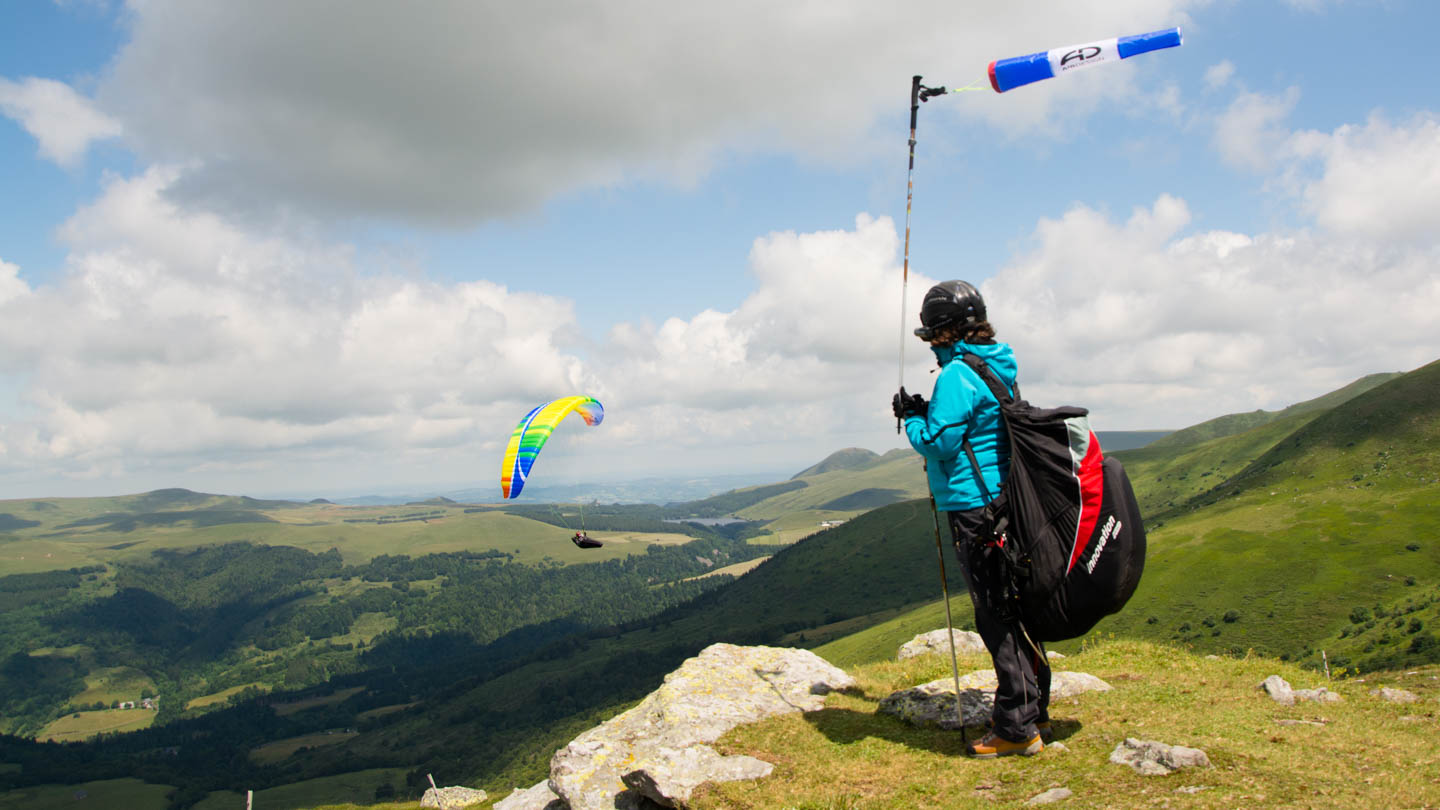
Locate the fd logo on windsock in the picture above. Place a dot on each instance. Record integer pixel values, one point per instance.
(1008, 74)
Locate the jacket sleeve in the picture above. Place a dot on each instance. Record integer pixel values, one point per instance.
(952, 405)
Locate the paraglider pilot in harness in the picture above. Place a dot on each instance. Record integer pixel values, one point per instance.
(962, 422)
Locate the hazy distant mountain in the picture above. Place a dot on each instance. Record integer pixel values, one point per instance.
(1114, 440)
(644, 490)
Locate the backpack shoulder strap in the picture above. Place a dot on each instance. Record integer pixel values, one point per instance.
(975, 470)
(984, 372)
(1001, 394)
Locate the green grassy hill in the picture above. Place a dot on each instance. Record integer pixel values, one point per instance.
(1301, 521)
(1341, 512)
(1397, 635)
(1170, 471)
(897, 475)
(841, 460)
(1231, 424)
(1168, 477)
(873, 565)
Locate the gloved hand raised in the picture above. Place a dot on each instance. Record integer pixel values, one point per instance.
(909, 404)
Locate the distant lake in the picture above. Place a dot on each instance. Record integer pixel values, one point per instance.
(725, 521)
(1113, 440)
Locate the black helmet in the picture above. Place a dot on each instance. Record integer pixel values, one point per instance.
(950, 303)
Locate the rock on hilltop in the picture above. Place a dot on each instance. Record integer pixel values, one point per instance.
(656, 753)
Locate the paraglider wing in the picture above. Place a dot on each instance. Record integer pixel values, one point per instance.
(532, 433)
(1007, 74)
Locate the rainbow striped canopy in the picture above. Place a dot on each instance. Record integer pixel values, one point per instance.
(532, 433)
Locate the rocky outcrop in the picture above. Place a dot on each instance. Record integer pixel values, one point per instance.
(641, 758)
(1280, 691)
(933, 703)
(934, 643)
(670, 776)
(452, 798)
(1395, 695)
(1051, 796)
(539, 797)
(1150, 758)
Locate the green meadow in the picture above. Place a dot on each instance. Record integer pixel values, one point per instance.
(84, 725)
(273, 752)
(107, 793)
(358, 787)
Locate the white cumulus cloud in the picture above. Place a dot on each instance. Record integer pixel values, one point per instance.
(60, 119)
(1380, 181)
(1251, 133)
(1150, 327)
(1219, 74)
(452, 111)
(176, 339)
(181, 348)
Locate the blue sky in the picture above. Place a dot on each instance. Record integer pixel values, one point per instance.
(323, 249)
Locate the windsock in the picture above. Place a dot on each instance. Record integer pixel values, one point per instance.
(1008, 74)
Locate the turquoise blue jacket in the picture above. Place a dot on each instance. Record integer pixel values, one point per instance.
(962, 407)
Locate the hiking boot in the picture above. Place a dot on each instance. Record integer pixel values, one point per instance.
(1047, 732)
(993, 745)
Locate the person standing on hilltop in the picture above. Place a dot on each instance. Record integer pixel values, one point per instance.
(962, 423)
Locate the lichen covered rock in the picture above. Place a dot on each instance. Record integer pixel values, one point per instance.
(1151, 758)
(934, 643)
(724, 686)
(933, 704)
(537, 797)
(452, 798)
(1280, 691)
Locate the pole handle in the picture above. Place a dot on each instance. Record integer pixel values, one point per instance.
(914, 105)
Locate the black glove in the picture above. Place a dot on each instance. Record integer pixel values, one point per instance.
(909, 404)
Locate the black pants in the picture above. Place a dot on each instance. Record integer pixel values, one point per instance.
(1022, 697)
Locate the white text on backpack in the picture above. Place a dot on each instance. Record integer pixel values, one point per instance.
(1112, 527)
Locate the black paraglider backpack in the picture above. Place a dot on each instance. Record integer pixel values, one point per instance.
(1066, 521)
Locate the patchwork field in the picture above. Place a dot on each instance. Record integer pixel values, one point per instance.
(797, 526)
(223, 695)
(733, 570)
(273, 752)
(339, 695)
(84, 725)
(108, 793)
(67, 533)
(110, 684)
(355, 788)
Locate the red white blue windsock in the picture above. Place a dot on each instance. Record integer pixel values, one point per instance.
(1008, 74)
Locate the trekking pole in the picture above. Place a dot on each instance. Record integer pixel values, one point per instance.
(949, 622)
(909, 195)
(918, 94)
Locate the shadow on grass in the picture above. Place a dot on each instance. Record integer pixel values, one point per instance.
(845, 726)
